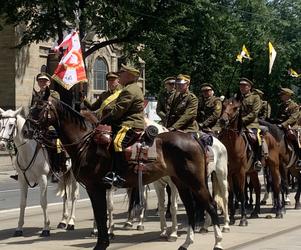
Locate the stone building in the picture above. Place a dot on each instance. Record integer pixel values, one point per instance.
(19, 67)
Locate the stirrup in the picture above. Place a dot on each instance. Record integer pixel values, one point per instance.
(298, 165)
(258, 166)
(113, 179)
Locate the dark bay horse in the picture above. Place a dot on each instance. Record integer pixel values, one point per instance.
(288, 158)
(178, 155)
(240, 164)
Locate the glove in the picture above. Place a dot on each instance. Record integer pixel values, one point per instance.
(280, 126)
(201, 125)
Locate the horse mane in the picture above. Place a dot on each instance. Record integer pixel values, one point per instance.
(70, 113)
(273, 129)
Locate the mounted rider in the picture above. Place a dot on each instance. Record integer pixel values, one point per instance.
(209, 109)
(288, 120)
(162, 104)
(127, 120)
(182, 107)
(250, 107)
(106, 99)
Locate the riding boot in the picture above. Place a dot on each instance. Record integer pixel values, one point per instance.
(257, 163)
(114, 178)
(298, 153)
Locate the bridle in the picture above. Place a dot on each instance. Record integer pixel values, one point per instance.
(231, 118)
(10, 138)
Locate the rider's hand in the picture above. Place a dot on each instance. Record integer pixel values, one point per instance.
(280, 126)
(171, 129)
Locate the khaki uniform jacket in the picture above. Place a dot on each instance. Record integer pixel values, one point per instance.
(97, 104)
(265, 110)
(288, 114)
(182, 112)
(163, 105)
(250, 107)
(209, 111)
(128, 109)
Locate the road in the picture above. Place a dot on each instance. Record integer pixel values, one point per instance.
(261, 233)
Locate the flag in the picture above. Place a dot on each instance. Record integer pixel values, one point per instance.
(293, 73)
(243, 54)
(71, 68)
(272, 56)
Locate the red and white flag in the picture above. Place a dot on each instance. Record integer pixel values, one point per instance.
(71, 68)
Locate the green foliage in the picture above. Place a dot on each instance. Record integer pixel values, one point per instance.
(196, 37)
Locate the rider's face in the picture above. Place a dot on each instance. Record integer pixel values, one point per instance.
(244, 88)
(113, 83)
(43, 83)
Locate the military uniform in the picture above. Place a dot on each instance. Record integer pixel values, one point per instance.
(265, 110)
(162, 103)
(209, 109)
(182, 111)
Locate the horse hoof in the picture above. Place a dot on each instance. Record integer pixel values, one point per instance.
(182, 248)
(226, 230)
(249, 206)
(61, 225)
(140, 228)
(263, 202)
(18, 233)
(102, 246)
(70, 227)
(203, 230)
(243, 223)
(287, 203)
(172, 238)
(217, 248)
(232, 221)
(254, 216)
(128, 225)
(269, 216)
(45, 233)
(297, 206)
(93, 234)
(111, 236)
(279, 216)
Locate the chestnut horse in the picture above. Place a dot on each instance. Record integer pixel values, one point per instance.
(179, 155)
(240, 164)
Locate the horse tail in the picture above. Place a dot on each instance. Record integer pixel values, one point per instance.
(217, 191)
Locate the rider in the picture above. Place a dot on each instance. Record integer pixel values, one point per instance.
(105, 101)
(265, 110)
(250, 106)
(169, 89)
(210, 108)
(182, 107)
(288, 117)
(43, 80)
(127, 121)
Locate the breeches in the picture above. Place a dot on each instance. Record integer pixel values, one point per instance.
(124, 138)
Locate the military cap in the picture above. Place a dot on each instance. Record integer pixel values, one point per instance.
(129, 69)
(286, 91)
(170, 80)
(259, 92)
(181, 79)
(111, 75)
(43, 76)
(244, 80)
(206, 86)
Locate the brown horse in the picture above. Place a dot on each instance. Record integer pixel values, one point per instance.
(240, 163)
(178, 155)
(288, 158)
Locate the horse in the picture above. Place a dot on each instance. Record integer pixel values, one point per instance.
(179, 155)
(288, 159)
(232, 137)
(32, 165)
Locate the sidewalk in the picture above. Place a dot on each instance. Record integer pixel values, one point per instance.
(5, 162)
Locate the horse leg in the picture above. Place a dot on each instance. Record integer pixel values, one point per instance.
(231, 204)
(74, 197)
(97, 195)
(43, 199)
(173, 211)
(63, 222)
(297, 195)
(23, 200)
(110, 207)
(240, 178)
(168, 191)
(256, 185)
(130, 220)
(159, 188)
(276, 189)
(140, 226)
(266, 185)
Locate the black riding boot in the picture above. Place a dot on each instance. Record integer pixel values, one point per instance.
(114, 178)
(15, 177)
(257, 163)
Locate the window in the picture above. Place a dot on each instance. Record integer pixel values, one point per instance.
(100, 70)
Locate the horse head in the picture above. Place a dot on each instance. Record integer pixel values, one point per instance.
(8, 125)
(230, 113)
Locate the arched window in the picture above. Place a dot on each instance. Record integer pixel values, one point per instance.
(100, 70)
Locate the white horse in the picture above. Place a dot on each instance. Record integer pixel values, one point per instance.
(217, 167)
(33, 167)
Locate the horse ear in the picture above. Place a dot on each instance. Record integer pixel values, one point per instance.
(238, 96)
(18, 110)
(1, 110)
(47, 94)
